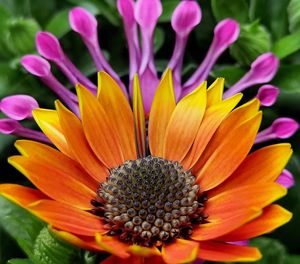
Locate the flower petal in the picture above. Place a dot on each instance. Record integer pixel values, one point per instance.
(217, 251)
(133, 260)
(113, 245)
(143, 251)
(48, 122)
(222, 205)
(21, 195)
(86, 242)
(273, 217)
(224, 160)
(74, 135)
(56, 184)
(119, 113)
(263, 165)
(184, 124)
(213, 117)
(44, 154)
(180, 251)
(215, 92)
(96, 125)
(217, 228)
(67, 218)
(162, 108)
(139, 117)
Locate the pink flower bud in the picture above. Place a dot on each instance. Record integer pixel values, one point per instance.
(126, 10)
(48, 46)
(9, 126)
(83, 22)
(226, 32)
(18, 107)
(36, 65)
(286, 179)
(186, 16)
(267, 94)
(284, 127)
(147, 13)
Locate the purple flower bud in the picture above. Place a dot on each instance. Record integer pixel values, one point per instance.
(147, 13)
(284, 127)
(18, 107)
(83, 22)
(225, 33)
(48, 46)
(36, 65)
(9, 126)
(185, 17)
(286, 179)
(126, 10)
(263, 69)
(267, 94)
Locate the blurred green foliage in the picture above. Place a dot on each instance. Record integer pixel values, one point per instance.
(265, 25)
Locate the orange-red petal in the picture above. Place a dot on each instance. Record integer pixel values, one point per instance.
(263, 165)
(67, 218)
(184, 124)
(21, 195)
(54, 183)
(113, 245)
(273, 217)
(220, 163)
(86, 242)
(213, 117)
(220, 227)
(73, 132)
(143, 251)
(119, 113)
(48, 122)
(139, 117)
(180, 251)
(96, 125)
(133, 260)
(162, 108)
(217, 251)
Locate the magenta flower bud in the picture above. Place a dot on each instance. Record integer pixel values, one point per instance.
(147, 13)
(126, 10)
(286, 179)
(48, 46)
(226, 32)
(9, 126)
(83, 22)
(263, 69)
(18, 107)
(267, 94)
(284, 127)
(36, 65)
(185, 17)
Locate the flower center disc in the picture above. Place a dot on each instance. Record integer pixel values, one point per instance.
(150, 200)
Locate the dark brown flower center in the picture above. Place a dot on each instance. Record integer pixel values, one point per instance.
(150, 200)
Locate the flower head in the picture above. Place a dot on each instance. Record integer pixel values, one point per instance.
(182, 187)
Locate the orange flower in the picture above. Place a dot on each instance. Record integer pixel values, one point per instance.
(184, 188)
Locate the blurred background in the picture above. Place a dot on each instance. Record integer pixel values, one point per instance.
(266, 25)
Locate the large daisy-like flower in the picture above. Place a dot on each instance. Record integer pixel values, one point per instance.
(178, 187)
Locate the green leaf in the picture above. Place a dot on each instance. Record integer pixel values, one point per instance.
(293, 10)
(254, 40)
(272, 250)
(59, 23)
(237, 9)
(288, 78)
(49, 250)
(273, 14)
(292, 259)
(19, 261)
(20, 225)
(159, 38)
(287, 45)
(21, 35)
(168, 8)
(231, 73)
